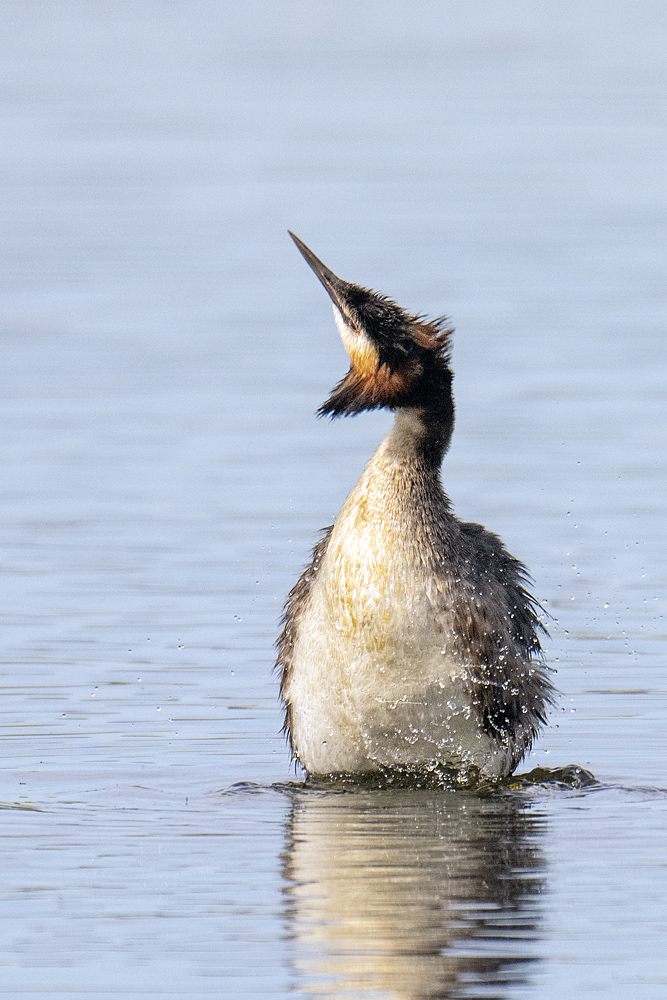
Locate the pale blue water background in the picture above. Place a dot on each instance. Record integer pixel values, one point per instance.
(163, 478)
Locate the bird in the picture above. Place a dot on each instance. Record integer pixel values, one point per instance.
(410, 644)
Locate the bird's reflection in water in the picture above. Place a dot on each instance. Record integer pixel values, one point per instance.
(412, 893)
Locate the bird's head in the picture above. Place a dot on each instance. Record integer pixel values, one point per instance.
(396, 359)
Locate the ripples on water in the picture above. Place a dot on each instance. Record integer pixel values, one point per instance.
(164, 477)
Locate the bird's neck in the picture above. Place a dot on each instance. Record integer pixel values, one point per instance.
(417, 437)
(398, 503)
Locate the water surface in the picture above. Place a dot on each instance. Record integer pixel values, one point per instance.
(165, 348)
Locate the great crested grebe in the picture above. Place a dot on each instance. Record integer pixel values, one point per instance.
(410, 642)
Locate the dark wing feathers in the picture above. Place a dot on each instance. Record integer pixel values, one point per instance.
(496, 622)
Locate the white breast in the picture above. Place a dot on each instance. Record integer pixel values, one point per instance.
(375, 679)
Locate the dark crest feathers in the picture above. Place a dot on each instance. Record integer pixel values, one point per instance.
(413, 358)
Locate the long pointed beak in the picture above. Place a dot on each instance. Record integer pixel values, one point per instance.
(334, 285)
